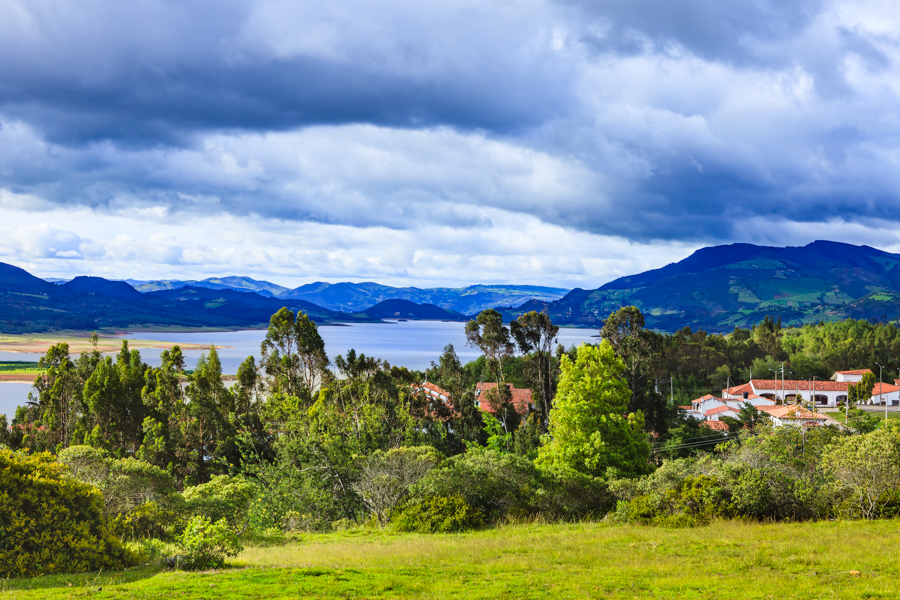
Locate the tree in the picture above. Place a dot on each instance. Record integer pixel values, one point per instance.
(589, 432)
(293, 353)
(467, 420)
(59, 394)
(624, 330)
(866, 469)
(487, 333)
(535, 333)
(209, 428)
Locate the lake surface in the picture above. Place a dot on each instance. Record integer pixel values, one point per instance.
(411, 344)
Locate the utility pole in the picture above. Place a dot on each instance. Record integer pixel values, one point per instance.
(783, 393)
(776, 371)
(880, 372)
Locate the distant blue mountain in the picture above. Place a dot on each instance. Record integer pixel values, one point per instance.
(357, 297)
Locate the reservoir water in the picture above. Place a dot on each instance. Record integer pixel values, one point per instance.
(411, 344)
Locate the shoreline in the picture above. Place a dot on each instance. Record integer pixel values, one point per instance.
(40, 343)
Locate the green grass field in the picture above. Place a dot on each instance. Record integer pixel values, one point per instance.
(722, 561)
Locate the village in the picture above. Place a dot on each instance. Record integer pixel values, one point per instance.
(792, 402)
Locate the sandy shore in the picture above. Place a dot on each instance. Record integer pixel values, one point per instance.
(77, 345)
(17, 377)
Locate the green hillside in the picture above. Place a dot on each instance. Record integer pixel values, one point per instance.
(721, 287)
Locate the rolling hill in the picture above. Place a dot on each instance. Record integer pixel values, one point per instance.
(721, 287)
(30, 305)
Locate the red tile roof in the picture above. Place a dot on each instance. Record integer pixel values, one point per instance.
(738, 389)
(716, 425)
(705, 398)
(718, 409)
(521, 398)
(855, 372)
(794, 411)
(435, 392)
(884, 388)
(792, 385)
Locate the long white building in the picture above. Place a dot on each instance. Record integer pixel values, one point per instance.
(820, 393)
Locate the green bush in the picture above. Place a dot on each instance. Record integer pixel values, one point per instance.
(51, 523)
(439, 514)
(491, 482)
(568, 494)
(138, 498)
(223, 497)
(204, 544)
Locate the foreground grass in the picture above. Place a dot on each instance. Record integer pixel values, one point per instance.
(724, 560)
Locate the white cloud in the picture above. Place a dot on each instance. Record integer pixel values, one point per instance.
(535, 141)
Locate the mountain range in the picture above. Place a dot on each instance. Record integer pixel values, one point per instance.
(716, 289)
(356, 297)
(720, 287)
(29, 304)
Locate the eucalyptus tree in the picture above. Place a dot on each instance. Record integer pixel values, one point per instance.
(535, 334)
(487, 333)
(293, 354)
(58, 395)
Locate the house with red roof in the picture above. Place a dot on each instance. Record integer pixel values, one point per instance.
(792, 391)
(521, 398)
(434, 392)
(714, 414)
(850, 376)
(794, 415)
(885, 393)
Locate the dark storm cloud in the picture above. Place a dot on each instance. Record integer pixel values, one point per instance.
(153, 72)
(648, 119)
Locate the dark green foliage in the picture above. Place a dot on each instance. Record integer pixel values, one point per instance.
(491, 482)
(439, 514)
(51, 523)
(780, 474)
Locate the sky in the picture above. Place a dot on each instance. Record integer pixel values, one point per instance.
(561, 143)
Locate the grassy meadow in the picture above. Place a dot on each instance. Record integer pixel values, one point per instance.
(588, 560)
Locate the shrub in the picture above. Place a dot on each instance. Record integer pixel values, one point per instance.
(866, 472)
(126, 483)
(138, 497)
(387, 476)
(223, 497)
(50, 523)
(491, 482)
(439, 514)
(566, 494)
(204, 544)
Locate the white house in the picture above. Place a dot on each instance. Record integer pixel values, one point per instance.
(716, 413)
(793, 391)
(794, 415)
(710, 408)
(850, 376)
(885, 393)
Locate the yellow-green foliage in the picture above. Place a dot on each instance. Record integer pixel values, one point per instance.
(50, 523)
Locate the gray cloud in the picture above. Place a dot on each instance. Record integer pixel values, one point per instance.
(649, 121)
